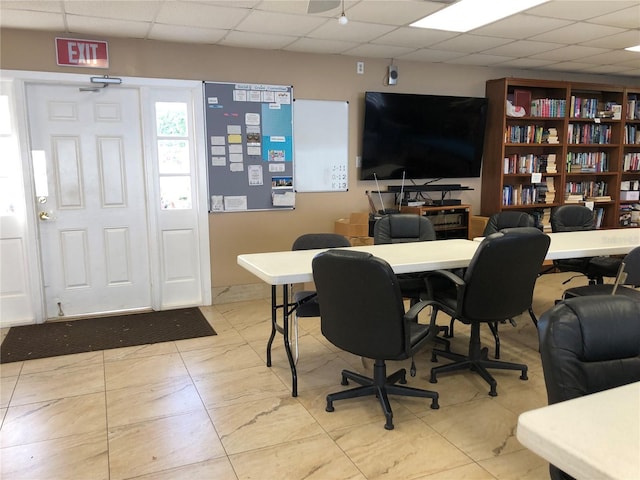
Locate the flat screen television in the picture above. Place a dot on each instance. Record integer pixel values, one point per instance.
(422, 136)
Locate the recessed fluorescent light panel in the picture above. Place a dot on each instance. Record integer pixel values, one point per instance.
(467, 15)
(633, 49)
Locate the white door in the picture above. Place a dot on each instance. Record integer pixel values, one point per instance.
(90, 186)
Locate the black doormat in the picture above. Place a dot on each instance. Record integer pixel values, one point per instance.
(87, 335)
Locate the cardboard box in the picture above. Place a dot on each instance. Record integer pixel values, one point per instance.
(629, 195)
(476, 226)
(357, 225)
(360, 241)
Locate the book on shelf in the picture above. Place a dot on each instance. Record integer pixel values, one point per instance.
(598, 216)
(550, 195)
(633, 105)
(599, 198)
(551, 163)
(522, 98)
(574, 198)
(550, 135)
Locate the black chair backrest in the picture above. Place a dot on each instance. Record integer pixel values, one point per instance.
(361, 308)
(309, 241)
(508, 219)
(571, 218)
(589, 344)
(502, 274)
(403, 228)
(632, 268)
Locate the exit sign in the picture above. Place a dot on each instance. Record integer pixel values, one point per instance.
(75, 52)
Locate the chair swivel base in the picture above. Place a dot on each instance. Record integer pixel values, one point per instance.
(477, 360)
(380, 386)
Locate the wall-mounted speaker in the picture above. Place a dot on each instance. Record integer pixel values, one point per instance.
(392, 74)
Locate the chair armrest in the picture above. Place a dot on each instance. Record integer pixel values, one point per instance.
(453, 279)
(411, 319)
(411, 315)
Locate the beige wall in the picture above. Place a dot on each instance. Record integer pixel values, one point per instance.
(326, 77)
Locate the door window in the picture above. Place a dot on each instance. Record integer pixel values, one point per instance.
(10, 190)
(172, 136)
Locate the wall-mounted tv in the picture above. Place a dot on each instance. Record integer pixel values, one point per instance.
(422, 136)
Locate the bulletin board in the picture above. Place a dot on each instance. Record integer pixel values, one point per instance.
(249, 130)
(321, 147)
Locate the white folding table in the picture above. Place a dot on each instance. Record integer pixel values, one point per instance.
(592, 437)
(289, 267)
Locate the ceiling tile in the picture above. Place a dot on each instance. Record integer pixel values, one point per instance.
(631, 73)
(176, 33)
(250, 40)
(430, 55)
(572, 10)
(34, 6)
(613, 57)
(200, 15)
(621, 40)
(568, 66)
(569, 53)
(320, 46)
(353, 31)
(607, 69)
(572, 32)
(130, 10)
(35, 20)
(279, 23)
(626, 18)
(296, 7)
(521, 26)
(526, 63)
(414, 37)
(521, 48)
(631, 63)
(577, 33)
(468, 43)
(117, 28)
(479, 59)
(378, 51)
(394, 12)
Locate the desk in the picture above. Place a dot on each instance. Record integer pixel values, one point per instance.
(590, 243)
(288, 267)
(285, 268)
(595, 436)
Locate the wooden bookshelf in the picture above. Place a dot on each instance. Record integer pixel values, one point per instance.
(571, 145)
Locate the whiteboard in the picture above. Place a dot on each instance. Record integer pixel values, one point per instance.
(321, 145)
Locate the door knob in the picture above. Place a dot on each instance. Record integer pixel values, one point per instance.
(44, 216)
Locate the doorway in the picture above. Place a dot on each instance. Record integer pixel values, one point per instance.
(88, 164)
(116, 210)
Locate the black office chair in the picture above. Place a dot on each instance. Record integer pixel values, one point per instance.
(589, 344)
(306, 301)
(627, 279)
(362, 312)
(497, 285)
(405, 228)
(500, 221)
(571, 218)
(508, 219)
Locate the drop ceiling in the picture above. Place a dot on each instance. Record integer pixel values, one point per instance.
(586, 36)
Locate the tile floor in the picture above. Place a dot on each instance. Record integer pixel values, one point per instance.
(209, 408)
